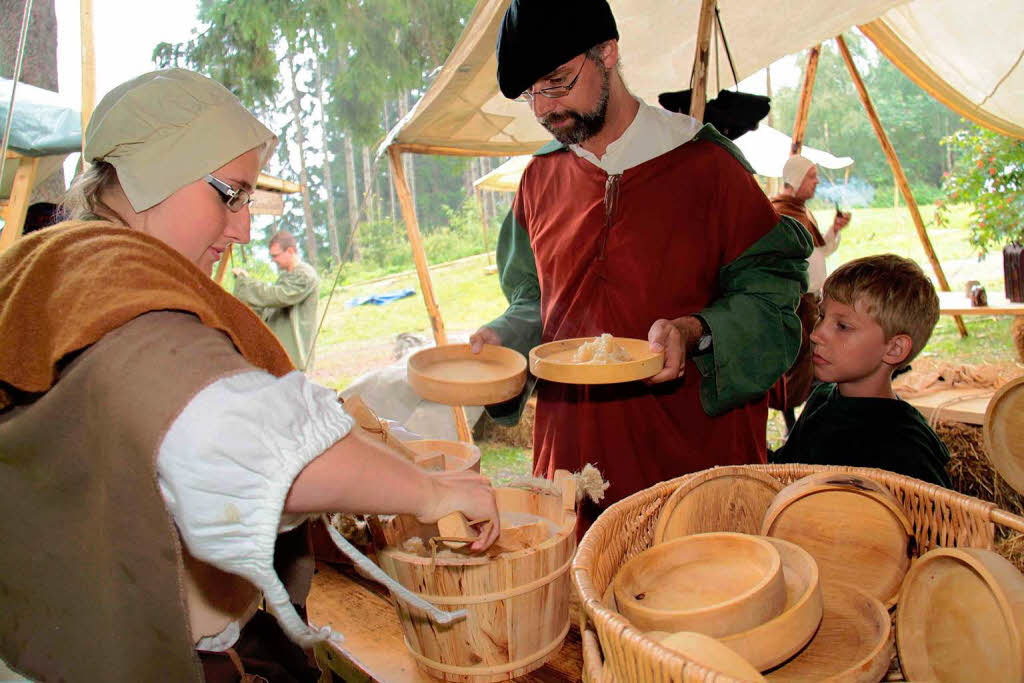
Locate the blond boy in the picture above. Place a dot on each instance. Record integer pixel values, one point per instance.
(877, 313)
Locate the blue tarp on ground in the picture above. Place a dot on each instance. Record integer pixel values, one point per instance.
(381, 299)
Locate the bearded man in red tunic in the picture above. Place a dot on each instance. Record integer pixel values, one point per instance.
(642, 223)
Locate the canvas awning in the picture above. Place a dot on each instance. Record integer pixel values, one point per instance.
(966, 54)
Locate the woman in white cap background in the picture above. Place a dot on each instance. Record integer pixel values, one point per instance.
(799, 182)
(158, 451)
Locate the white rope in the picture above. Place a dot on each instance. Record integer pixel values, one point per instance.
(14, 84)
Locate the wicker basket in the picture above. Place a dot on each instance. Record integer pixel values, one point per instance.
(613, 650)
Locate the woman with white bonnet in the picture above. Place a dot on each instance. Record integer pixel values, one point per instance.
(158, 451)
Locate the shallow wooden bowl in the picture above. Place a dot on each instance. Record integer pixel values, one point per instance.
(710, 653)
(961, 618)
(778, 639)
(553, 362)
(447, 456)
(852, 645)
(1004, 432)
(456, 376)
(716, 584)
(852, 526)
(721, 499)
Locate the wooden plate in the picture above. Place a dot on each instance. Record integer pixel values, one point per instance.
(716, 584)
(961, 618)
(775, 641)
(852, 645)
(553, 362)
(455, 376)
(1004, 432)
(446, 456)
(852, 526)
(721, 499)
(710, 653)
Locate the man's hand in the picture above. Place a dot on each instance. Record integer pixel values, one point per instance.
(841, 221)
(674, 338)
(484, 335)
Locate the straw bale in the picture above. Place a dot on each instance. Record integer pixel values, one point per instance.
(519, 435)
(1017, 333)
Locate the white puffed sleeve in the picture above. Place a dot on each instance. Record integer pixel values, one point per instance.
(227, 463)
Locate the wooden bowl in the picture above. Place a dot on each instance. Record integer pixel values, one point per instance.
(775, 641)
(455, 376)
(446, 456)
(716, 584)
(1004, 432)
(721, 499)
(961, 618)
(852, 645)
(710, 653)
(852, 526)
(553, 362)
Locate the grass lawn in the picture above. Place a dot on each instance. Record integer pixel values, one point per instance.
(468, 296)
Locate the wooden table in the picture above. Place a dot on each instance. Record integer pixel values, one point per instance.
(374, 647)
(956, 303)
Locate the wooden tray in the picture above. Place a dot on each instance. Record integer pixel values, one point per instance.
(447, 456)
(852, 645)
(709, 653)
(852, 526)
(1004, 432)
(553, 362)
(455, 376)
(716, 584)
(722, 499)
(961, 618)
(775, 641)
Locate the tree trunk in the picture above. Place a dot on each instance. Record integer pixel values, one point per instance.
(391, 181)
(38, 67)
(369, 186)
(332, 219)
(300, 139)
(353, 192)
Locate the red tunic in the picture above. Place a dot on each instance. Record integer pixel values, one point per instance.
(678, 219)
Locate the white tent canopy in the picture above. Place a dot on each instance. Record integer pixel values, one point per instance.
(765, 148)
(966, 54)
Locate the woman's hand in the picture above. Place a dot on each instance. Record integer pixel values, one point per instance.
(469, 493)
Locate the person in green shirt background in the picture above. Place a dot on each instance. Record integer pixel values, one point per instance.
(289, 305)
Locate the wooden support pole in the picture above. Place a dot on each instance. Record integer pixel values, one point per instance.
(17, 204)
(412, 228)
(803, 109)
(698, 96)
(483, 222)
(222, 266)
(88, 68)
(898, 174)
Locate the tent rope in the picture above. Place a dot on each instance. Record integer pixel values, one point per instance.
(19, 58)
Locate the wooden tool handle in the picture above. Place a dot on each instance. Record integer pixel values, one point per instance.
(566, 482)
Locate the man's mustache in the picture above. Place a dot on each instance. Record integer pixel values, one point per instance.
(558, 117)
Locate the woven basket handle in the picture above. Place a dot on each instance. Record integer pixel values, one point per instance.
(593, 662)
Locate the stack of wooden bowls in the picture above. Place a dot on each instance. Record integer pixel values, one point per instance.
(681, 582)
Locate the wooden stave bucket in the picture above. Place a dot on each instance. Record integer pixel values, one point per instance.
(541, 593)
(613, 650)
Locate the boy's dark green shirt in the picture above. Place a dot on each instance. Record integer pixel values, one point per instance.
(865, 432)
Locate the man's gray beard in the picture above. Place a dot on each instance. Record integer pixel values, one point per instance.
(586, 125)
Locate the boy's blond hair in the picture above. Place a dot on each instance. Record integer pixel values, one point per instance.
(897, 294)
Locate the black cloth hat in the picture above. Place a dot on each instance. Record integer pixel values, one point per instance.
(538, 36)
(731, 113)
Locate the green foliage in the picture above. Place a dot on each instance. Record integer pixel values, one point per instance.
(989, 174)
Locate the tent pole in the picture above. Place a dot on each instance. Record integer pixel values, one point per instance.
(483, 221)
(88, 69)
(897, 171)
(698, 96)
(803, 109)
(412, 227)
(222, 267)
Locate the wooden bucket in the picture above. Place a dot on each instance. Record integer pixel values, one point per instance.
(518, 602)
(614, 650)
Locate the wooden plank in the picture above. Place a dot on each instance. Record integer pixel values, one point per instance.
(954, 405)
(412, 228)
(17, 204)
(898, 174)
(374, 648)
(698, 96)
(804, 107)
(955, 303)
